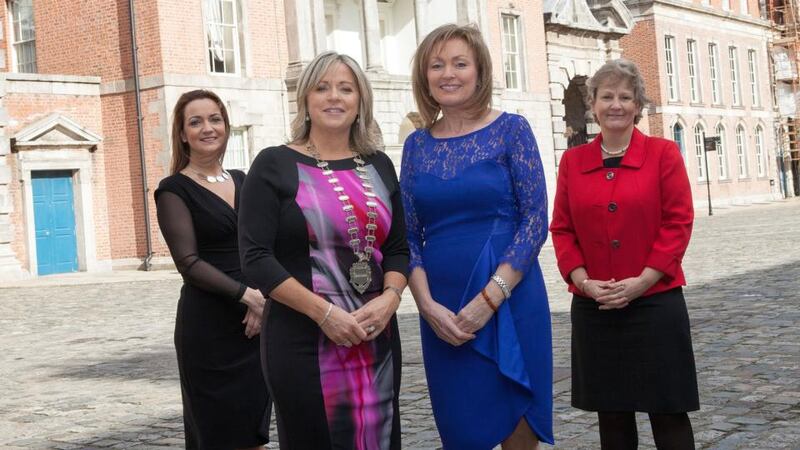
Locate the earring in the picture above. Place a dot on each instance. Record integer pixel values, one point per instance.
(308, 118)
(356, 119)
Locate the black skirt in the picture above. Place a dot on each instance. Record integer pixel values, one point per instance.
(638, 358)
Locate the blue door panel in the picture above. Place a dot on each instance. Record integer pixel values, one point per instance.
(54, 218)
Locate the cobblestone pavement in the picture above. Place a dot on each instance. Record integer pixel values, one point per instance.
(87, 362)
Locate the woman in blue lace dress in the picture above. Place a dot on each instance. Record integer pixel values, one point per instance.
(476, 211)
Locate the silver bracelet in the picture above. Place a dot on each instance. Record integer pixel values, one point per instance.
(503, 285)
(327, 314)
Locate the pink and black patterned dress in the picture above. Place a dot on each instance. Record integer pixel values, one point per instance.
(291, 224)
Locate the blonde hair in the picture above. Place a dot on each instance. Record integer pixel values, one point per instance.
(428, 107)
(619, 71)
(364, 132)
(180, 149)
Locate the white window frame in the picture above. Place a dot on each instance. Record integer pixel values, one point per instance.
(511, 57)
(218, 24)
(23, 36)
(741, 151)
(760, 159)
(743, 6)
(726, 5)
(694, 81)
(736, 90)
(713, 73)
(751, 66)
(238, 154)
(722, 156)
(671, 66)
(699, 151)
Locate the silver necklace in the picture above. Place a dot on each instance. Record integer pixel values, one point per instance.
(360, 271)
(225, 176)
(612, 153)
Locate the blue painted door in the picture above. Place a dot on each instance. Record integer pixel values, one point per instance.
(54, 220)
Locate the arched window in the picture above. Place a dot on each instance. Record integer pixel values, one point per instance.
(677, 136)
(722, 156)
(699, 133)
(741, 151)
(760, 160)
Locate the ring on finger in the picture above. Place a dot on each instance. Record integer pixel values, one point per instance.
(370, 329)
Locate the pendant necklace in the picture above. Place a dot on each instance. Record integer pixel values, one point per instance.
(360, 271)
(225, 176)
(612, 153)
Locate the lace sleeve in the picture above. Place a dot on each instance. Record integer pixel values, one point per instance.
(413, 227)
(530, 192)
(175, 221)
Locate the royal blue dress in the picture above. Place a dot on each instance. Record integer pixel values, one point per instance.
(474, 202)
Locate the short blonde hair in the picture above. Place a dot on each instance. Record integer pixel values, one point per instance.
(618, 71)
(428, 107)
(364, 132)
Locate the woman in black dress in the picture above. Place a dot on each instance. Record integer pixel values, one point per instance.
(322, 233)
(225, 400)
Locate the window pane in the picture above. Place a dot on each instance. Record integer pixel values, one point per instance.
(698, 152)
(237, 154)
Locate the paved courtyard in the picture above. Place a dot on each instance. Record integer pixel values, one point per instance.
(87, 362)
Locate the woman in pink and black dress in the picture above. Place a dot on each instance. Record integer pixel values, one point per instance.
(321, 233)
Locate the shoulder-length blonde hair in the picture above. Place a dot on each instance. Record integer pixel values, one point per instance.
(364, 132)
(180, 149)
(619, 71)
(429, 108)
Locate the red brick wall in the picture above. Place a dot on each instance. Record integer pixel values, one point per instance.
(640, 46)
(99, 43)
(123, 171)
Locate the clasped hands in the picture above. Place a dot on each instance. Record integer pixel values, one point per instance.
(613, 294)
(456, 329)
(255, 302)
(363, 324)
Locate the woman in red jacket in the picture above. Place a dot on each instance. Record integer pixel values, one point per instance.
(621, 223)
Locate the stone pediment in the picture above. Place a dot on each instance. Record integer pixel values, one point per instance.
(612, 14)
(55, 130)
(604, 16)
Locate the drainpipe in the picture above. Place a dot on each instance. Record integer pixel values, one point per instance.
(140, 129)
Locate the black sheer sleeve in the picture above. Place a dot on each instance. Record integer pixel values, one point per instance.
(177, 227)
(395, 247)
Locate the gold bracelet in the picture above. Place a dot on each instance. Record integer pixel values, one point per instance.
(394, 289)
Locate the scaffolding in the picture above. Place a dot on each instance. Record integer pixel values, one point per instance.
(785, 52)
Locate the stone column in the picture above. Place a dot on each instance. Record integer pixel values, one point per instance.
(320, 35)
(372, 35)
(473, 11)
(420, 15)
(301, 33)
(9, 265)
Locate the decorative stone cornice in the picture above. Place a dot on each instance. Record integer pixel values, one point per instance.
(594, 16)
(55, 130)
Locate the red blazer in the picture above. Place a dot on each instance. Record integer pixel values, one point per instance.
(616, 221)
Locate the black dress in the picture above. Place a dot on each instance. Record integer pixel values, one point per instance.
(638, 358)
(291, 224)
(225, 400)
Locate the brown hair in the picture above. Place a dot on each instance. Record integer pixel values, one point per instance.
(180, 149)
(619, 71)
(428, 107)
(364, 132)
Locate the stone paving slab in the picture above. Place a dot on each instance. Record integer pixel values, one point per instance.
(87, 361)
